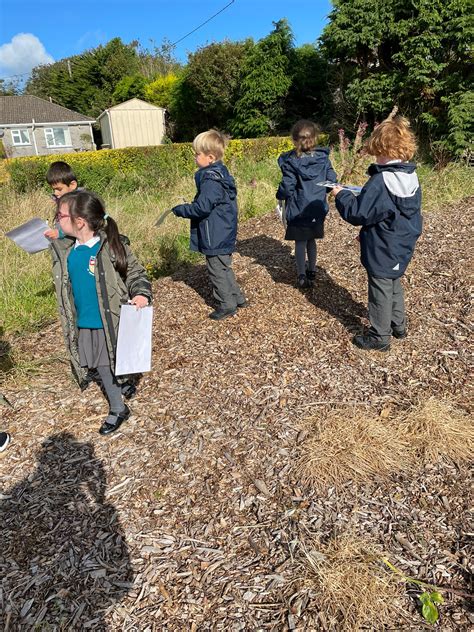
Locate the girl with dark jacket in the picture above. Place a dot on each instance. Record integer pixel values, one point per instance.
(306, 206)
(94, 273)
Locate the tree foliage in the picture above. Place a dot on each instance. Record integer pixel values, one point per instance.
(266, 79)
(412, 52)
(85, 83)
(129, 87)
(160, 91)
(206, 92)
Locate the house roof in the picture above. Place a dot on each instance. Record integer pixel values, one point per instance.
(22, 109)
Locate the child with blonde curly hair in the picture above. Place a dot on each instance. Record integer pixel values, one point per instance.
(388, 210)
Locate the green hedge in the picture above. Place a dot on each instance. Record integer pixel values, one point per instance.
(122, 170)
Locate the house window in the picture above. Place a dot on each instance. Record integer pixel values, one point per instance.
(20, 137)
(57, 137)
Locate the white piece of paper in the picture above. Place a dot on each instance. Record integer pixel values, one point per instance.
(30, 236)
(348, 187)
(133, 353)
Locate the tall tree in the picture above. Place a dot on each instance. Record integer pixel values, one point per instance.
(266, 79)
(85, 82)
(206, 92)
(412, 52)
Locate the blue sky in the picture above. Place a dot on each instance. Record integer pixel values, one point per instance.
(42, 31)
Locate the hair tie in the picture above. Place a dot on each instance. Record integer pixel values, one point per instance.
(106, 216)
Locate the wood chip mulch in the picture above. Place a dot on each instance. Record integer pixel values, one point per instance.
(192, 517)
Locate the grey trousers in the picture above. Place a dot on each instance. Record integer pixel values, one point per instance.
(386, 307)
(301, 248)
(224, 286)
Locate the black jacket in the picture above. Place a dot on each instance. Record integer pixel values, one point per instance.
(388, 209)
(305, 200)
(213, 213)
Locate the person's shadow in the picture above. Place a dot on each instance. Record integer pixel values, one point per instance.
(325, 294)
(6, 362)
(63, 557)
(197, 278)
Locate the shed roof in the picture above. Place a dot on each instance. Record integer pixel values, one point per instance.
(132, 104)
(22, 109)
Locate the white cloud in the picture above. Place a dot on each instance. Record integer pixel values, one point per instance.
(22, 54)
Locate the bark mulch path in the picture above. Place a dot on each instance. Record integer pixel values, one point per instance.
(193, 517)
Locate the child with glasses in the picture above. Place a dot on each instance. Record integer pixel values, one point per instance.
(306, 206)
(95, 272)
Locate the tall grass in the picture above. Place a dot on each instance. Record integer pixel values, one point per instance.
(26, 292)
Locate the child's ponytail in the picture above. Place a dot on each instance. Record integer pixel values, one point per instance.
(90, 208)
(116, 245)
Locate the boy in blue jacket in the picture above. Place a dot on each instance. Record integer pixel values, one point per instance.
(213, 215)
(388, 210)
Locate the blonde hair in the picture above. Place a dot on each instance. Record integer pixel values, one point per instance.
(305, 136)
(210, 142)
(392, 138)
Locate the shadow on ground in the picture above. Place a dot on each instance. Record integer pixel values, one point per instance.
(326, 293)
(63, 557)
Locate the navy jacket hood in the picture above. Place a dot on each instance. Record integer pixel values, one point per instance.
(305, 200)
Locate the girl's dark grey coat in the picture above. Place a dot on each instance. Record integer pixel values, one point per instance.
(305, 201)
(112, 291)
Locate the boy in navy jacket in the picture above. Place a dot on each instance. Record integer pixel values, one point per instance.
(213, 215)
(388, 210)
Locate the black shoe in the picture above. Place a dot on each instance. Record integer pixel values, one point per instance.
(242, 305)
(399, 334)
(5, 439)
(107, 427)
(129, 390)
(370, 343)
(302, 281)
(220, 314)
(311, 275)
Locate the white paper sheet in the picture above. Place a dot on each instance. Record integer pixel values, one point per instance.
(30, 236)
(133, 353)
(348, 187)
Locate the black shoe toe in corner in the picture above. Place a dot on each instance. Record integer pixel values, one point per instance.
(220, 314)
(370, 343)
(118, 418)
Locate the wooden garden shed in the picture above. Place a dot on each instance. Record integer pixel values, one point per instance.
(134, 123)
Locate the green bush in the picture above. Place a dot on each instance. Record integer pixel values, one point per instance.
(126, 170)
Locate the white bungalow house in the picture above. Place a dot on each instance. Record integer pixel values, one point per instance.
(30, 126)
(134, 123)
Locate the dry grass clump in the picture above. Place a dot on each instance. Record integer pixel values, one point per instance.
(355, 447)
(359, 448)
(438, 430)
(354, 590)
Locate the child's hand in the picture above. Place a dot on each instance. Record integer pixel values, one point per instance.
(139, 301)
(52, 233)
(335, 190)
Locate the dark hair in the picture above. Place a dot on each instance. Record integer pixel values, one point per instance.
(60, 172)
(90, 208)
(305, 135)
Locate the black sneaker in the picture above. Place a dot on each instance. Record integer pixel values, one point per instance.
(118, 418)
(311, 275)
(5, 439)
(302, 282)
(370, 343)
(220, 314)
(399, 334)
